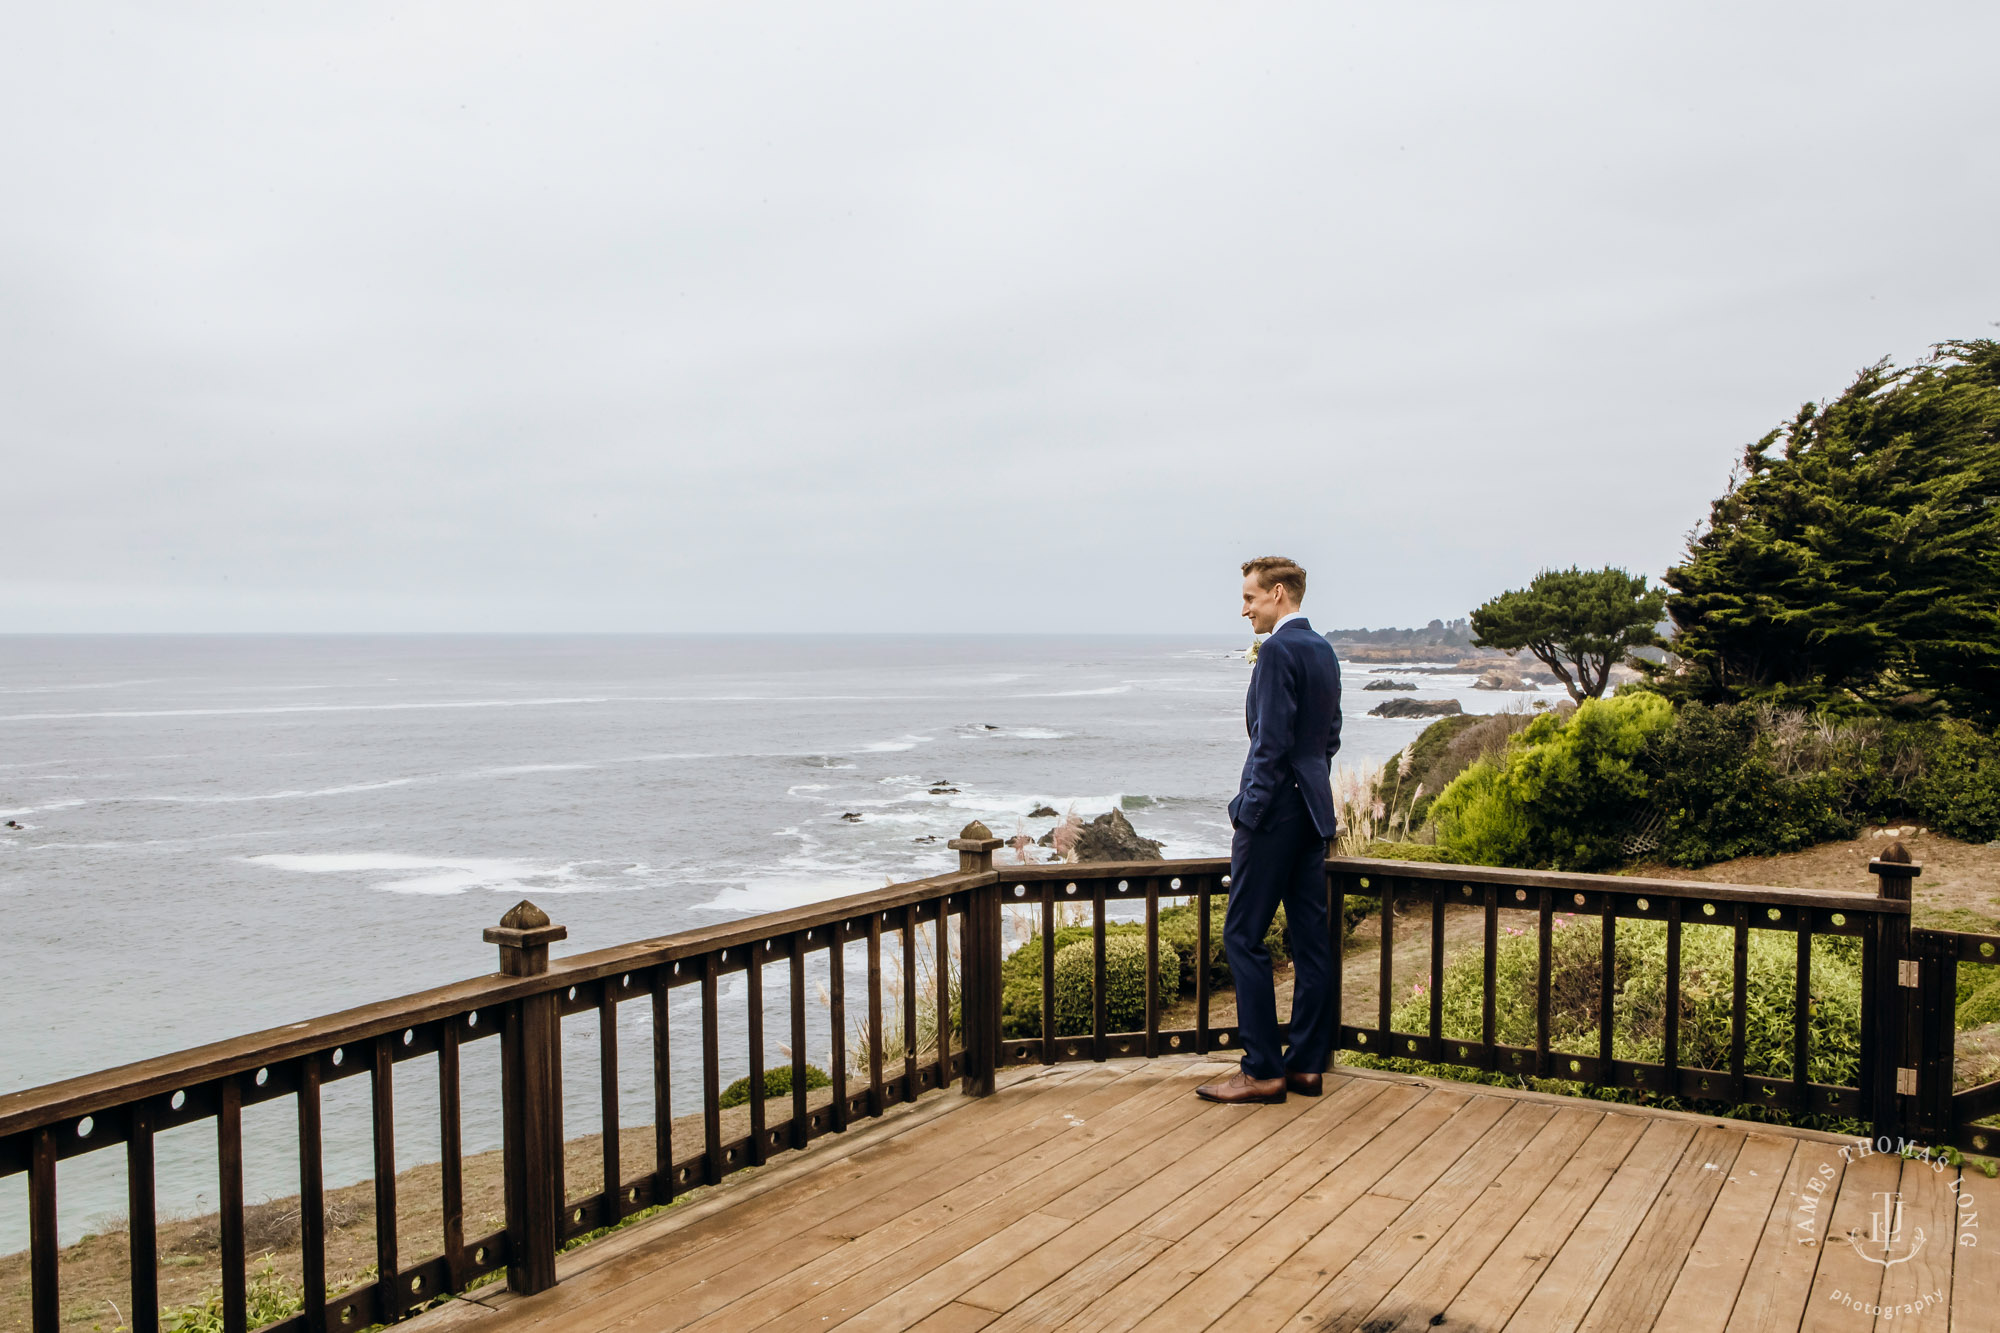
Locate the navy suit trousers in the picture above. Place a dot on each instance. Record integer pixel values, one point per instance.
(1282, 860)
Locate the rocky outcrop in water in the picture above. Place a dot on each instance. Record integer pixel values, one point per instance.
(1390, 685)
(1109, 837)
(1416, 708)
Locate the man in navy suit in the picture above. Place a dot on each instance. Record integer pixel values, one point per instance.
(1283, 816)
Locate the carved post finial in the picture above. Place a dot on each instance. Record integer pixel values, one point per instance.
(975, 845)
(524, 935)
(1894, 871)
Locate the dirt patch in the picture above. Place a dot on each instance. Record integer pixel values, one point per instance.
(1960, 883)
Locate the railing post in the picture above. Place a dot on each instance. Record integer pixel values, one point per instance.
(1898, 1017)
(530, 1102)
(979, 961)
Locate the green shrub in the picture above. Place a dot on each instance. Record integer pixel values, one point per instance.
(1978, 996)
(1021, 970)
(1124, 983)
(1959, 794)
(1566, 793)
(1639, 1008)
(777, 1084)
(1721, 795)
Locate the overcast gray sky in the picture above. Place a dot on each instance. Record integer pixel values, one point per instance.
(856, 317)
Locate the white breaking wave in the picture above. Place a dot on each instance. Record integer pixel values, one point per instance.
(439, 875)
(774, 894)
(906, 742)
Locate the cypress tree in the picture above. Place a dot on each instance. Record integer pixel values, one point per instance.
(1854, 562)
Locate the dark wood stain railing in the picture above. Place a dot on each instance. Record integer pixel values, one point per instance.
(1903, 1089)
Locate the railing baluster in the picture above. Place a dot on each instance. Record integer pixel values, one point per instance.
(753, 1013)
(836, 986)
(911, 1086)
(1543, 984)
(1607, 980)
(44, 1271)
(1097, 1042)
(607, 1098)
(1386, 969)
(944, 991)
(1739, 1000)
(1487, 1027)
(229, 1170)
(1873, 1026)
(801, 1116)
(711, 1068)
(141, 1222)
(1671, 1040)
(1336, 887)
(451, 1151)
(1802, 1016)
(663, 1102)
(876, 1101)
(1437, 969)
(381, 1080)
(312, 1198)
(1152, 968)
(1201, 972)
(1049, 973)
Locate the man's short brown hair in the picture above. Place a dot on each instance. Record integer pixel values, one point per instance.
(1275, 569)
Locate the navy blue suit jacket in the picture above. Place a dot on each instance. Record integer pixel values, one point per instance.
(1293, 716)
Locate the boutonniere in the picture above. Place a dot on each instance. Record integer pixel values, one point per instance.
(1250, 653)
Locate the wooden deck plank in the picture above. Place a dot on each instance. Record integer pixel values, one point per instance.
(1110, 1198)
(829, 1281)
(694, 1285)
(935, 1156)
(1116, 1200)
(1704, 1293)
(956, 1318)
(1356, 1289)
(1653, 1259)
(1844, 1277)
(1058, 1304)
(1567, 1288)
(1239, 1211)
(1915, 1286)
(1788, 1251)
(1110, 1219)
(1283, 1293)
(1975, 1268)
(1430, 1283)
(1491, 1295)
(1413, 1109)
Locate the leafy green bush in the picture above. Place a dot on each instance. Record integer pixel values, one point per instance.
(1565, 794)
(777, 1084)
(1959, 793)
(1180, 956)
(1978, 996)
(1639, 1008)
(1721, 795)
(1124, 983)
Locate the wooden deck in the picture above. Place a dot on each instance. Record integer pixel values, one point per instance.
(1109, 1197)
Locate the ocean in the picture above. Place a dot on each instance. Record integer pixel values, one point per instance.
(219, 833)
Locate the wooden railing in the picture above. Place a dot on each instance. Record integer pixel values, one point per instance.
(1903, 1089)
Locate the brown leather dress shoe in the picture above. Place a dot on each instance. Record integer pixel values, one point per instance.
(1240, 1090)
(1306, 1085)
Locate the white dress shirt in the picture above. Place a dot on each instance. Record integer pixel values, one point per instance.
(1296, 615)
